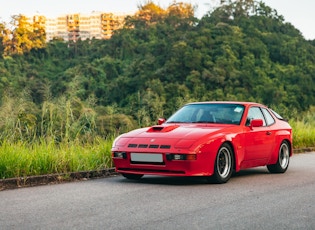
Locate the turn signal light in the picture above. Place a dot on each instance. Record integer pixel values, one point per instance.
(181, 157)
(191, 157)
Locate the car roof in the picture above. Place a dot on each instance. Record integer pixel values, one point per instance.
(245, 103)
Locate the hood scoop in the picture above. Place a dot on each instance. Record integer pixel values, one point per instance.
(162, 129)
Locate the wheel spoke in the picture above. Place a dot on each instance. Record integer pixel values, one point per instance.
(284, 155)
(224, 162)
(283, 159)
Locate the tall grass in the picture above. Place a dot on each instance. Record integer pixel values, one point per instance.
(21, 159)
(68, 136)
(60, 137)
(304, 130)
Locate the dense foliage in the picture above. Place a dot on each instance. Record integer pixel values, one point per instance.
(162, 59)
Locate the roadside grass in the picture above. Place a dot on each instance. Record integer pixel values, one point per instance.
(42, 157)
(22, 159)
(303, 134)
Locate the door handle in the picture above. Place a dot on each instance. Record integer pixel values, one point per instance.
(268, 133)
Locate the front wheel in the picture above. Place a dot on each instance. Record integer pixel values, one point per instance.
(283, 159)
(223, 165)
(132, 176)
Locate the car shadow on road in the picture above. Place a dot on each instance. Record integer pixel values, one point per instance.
(252, 172)
(194, 180)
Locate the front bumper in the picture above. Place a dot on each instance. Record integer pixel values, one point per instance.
(164, 164)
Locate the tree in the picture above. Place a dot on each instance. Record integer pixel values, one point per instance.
(3, 37)
(25, 36)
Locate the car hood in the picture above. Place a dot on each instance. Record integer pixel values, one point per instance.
(172, 135)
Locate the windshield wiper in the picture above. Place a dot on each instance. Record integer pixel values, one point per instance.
(203, 122)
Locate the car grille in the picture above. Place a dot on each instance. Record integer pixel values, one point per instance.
(149, 146)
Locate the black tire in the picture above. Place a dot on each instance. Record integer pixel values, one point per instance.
(132, 176)
(283, 159)
(223, 165)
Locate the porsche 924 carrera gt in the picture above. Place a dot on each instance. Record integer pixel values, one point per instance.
(209, 139)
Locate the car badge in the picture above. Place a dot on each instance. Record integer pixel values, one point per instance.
(152, 140)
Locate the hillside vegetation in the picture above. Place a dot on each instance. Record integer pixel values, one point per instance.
(160, 60)
(64, 92)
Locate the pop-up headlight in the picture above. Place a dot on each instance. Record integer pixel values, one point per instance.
(184, 143)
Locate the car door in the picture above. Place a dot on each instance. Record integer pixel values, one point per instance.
(259, 141)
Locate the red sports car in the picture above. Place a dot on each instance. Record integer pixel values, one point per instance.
(210, 139)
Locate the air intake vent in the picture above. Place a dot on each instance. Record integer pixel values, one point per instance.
(143, 146)
(162, 129)
(157, 128)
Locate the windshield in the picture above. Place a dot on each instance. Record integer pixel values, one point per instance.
(208, 113)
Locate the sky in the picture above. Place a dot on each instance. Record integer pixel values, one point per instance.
(299, 13)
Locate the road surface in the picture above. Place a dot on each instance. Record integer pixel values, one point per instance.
(252, 199)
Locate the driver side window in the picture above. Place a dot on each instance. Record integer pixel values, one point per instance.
(254, 113)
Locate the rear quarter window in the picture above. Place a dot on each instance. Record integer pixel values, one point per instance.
(269, 119)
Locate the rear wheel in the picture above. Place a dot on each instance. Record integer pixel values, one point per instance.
(283, 159)
(132, 176)
(223, 165)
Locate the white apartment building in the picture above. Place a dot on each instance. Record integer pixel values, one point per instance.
(72, 27)
(50, 28)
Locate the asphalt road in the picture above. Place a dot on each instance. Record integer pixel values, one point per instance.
(252, 199)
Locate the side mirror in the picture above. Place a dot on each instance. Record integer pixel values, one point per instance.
(161, 121)
(256, 123)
